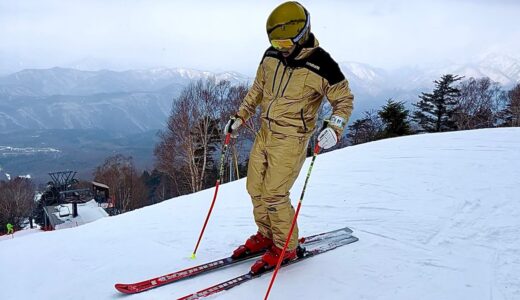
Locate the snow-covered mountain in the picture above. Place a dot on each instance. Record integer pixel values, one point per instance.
(365, 78)
(63, 81)
(506, 65)
(372, 86)
(126, 102)
(437, 216)
(499, 68)
(139, 100)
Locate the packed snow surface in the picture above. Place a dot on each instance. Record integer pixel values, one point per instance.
(437, 216)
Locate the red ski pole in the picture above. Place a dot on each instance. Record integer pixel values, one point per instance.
(220, 175)
(315, 154)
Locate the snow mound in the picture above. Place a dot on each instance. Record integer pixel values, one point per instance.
(437, 217)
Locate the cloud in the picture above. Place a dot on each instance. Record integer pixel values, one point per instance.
(230, 35)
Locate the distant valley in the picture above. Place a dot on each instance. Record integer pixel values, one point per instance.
(37, 152)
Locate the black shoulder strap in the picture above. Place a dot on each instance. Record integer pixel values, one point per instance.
(321, 63)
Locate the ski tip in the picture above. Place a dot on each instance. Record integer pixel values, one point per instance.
(123, 288)
(193, 256)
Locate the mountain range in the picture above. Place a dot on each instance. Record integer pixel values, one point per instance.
(93, 107)
(124, 102)
(139, 100)
(375, 85)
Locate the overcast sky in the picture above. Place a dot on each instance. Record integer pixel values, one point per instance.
(230, 35)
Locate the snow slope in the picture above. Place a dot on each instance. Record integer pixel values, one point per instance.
(437, 215)
(19, 234)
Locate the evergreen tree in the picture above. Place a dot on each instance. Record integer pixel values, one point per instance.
(395, 118)
(436, 110)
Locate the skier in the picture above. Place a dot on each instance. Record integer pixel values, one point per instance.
(10, 228)
(294, 76)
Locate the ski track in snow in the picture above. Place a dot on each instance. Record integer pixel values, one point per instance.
(437, 217)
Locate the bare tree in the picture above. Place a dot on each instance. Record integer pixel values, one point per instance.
(478, 104)
(165, 154)
(161, 192)
(16, 201)
(367, 129)
(190, 135)
(511, 114)
(120, 174)
(193, 135)
(233, 97)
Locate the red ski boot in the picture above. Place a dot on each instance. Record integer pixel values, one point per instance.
(254, 244)
(270, 259)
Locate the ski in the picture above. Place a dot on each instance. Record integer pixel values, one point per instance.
(138, 287)
(231, 283)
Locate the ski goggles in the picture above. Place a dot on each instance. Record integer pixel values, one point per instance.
(281, 45)
(287, 44)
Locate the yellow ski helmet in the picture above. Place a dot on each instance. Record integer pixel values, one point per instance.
(287, 25)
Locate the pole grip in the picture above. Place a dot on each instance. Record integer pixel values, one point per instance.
(317, 148)
(228, 138)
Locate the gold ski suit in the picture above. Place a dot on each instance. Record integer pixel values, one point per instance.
(289, 92)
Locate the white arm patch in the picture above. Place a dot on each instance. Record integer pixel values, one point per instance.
(337, 121)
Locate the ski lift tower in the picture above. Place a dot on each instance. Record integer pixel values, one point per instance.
(63, 180)
(64, 183)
